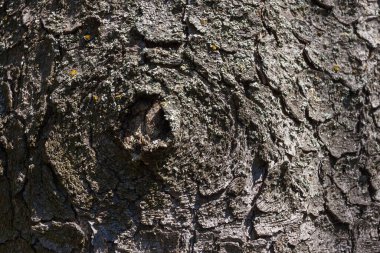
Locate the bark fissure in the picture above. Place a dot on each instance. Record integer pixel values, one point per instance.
(189, 126)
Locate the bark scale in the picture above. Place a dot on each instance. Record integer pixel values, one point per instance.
(189, 126)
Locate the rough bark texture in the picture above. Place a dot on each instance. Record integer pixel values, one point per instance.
(189, 126)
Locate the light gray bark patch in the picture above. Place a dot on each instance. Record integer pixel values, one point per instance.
(349, 11)
(341, 54)
(189, 126)
(321, 93)
(338, 139)
(159, 23)
(368, 29)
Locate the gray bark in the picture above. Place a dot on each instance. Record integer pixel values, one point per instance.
(189, 126)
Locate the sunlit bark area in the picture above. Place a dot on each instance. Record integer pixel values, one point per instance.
(191, 126)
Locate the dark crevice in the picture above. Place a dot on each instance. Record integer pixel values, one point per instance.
(270, 30)
(323, 5)
(259, 68)
(335, 221)
(310, 63)
(300, 39)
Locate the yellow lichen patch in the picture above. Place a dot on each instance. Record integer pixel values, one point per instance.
(73, 73)
(242, 68)
(164, 104)
(87, 37)
(203, 21)
(214, 47)
(119, 96)
(95, 98)
(182, 68)
(336, 68)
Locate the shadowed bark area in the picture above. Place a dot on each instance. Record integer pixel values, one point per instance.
(189, 126)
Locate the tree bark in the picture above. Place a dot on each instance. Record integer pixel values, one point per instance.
(189, 126)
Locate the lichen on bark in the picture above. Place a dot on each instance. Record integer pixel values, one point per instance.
(189, 126)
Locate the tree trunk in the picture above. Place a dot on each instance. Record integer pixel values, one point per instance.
(189, 126)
